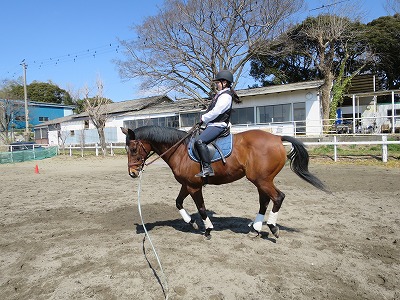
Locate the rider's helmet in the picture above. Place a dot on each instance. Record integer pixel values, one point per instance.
(224, 75)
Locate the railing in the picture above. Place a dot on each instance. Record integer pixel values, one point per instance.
(111, 147)
(384, 143)
(95, 148)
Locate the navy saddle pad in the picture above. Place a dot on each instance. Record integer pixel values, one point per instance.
(224, 143)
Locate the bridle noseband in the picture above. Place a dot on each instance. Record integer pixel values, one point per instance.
(140, 163)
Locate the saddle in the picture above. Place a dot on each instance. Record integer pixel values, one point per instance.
(219, 149)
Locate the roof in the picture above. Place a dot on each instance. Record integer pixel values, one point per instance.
(181, 105)
(115, 108)
(46, 104)
(273, 89)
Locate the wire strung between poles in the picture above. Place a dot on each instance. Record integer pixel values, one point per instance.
(166, 288)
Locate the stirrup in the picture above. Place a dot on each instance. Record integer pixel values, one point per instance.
(206, 172)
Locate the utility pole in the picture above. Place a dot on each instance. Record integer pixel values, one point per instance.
(27, 132)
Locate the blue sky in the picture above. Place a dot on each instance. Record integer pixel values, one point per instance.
(73, 42)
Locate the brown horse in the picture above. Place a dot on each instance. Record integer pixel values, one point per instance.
(256, 154)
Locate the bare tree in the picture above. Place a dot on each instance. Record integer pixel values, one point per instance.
(392, 6)
(62, 138)
(10, 110)
(97, 109)
(188, 42)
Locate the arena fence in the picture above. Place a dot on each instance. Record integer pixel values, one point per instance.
(383, 143)
(28, 155)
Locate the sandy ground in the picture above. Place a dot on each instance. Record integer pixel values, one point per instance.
(73, 232)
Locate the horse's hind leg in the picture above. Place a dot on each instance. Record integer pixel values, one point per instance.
(183, 193)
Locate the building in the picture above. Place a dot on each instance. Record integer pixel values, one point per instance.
(38, 112)
(289, 109)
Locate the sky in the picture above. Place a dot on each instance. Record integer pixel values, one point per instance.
(72, 43)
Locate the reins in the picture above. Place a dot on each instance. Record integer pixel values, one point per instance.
(189, 133)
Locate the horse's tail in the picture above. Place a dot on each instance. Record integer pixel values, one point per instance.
(299, 160)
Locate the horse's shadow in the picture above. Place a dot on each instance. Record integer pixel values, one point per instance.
(235, 224)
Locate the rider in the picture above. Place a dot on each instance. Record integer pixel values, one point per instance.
(216, 119)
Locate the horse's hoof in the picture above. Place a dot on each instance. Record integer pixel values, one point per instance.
(274, 229)
(207, 234)
(194, 224)
(254, 233)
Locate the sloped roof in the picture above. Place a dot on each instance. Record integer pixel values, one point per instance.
(180, 105)
(115, 108)
(280, 88)
(132, 105)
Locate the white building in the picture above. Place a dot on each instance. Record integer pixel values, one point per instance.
(289, 109)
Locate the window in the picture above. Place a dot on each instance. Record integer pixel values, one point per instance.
(190, 119)
(242, 115)
(43, 119)
(299, 116)
(273, 113)
(172, 121)
(86, 125)
(72, 132)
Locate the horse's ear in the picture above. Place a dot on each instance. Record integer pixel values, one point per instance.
(128, 132)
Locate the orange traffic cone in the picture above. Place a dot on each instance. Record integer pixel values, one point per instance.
(36, 169)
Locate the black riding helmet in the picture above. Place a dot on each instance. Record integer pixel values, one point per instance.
(224, 75)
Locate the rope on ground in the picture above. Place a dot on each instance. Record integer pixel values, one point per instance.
(166, 289)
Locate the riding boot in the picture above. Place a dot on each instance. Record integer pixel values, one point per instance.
(205, 159)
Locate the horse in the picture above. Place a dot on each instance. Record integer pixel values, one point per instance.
(256, 154)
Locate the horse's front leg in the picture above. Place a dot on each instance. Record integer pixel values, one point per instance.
(183, 193)
(198, 199)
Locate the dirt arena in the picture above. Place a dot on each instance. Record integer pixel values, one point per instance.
(73, 232)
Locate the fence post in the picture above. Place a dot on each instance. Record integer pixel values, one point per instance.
(111, 150)
(384, 149)
(97, 150)
(70, 150)
(334, 148)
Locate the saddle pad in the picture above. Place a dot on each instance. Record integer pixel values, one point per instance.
(224, 143)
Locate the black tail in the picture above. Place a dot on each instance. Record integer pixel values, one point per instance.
(299, 160)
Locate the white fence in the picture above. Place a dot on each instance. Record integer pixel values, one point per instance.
(384, 143)
(384, 146)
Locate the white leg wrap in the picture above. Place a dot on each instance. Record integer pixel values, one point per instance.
(272, 218)
(186, 217)
(257, 225)
(207, 223)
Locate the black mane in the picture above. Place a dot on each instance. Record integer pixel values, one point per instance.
(158, 134)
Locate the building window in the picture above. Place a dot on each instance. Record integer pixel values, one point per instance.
(190, 119)
(172, 121)
(273, 113)
(86, 125)
(43, 119)
(299, 116)
(242, 115)
(72, 132)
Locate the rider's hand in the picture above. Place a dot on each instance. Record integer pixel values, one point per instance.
(200, 123)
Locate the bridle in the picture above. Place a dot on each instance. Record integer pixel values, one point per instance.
(139, 164)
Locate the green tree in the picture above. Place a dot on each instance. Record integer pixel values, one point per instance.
(384, 38)
(316, 49)
(41, 92)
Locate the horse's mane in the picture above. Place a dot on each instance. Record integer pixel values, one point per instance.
(158, 134)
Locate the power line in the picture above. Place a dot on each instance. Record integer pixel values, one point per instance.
(324, 6)
(71, 57)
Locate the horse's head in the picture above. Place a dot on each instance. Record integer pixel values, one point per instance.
(137, 152)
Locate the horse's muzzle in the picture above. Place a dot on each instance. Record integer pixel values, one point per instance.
(134, 173)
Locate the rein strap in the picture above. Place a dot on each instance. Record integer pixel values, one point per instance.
(190, 132)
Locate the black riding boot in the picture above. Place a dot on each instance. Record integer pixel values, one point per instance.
(204, 154)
